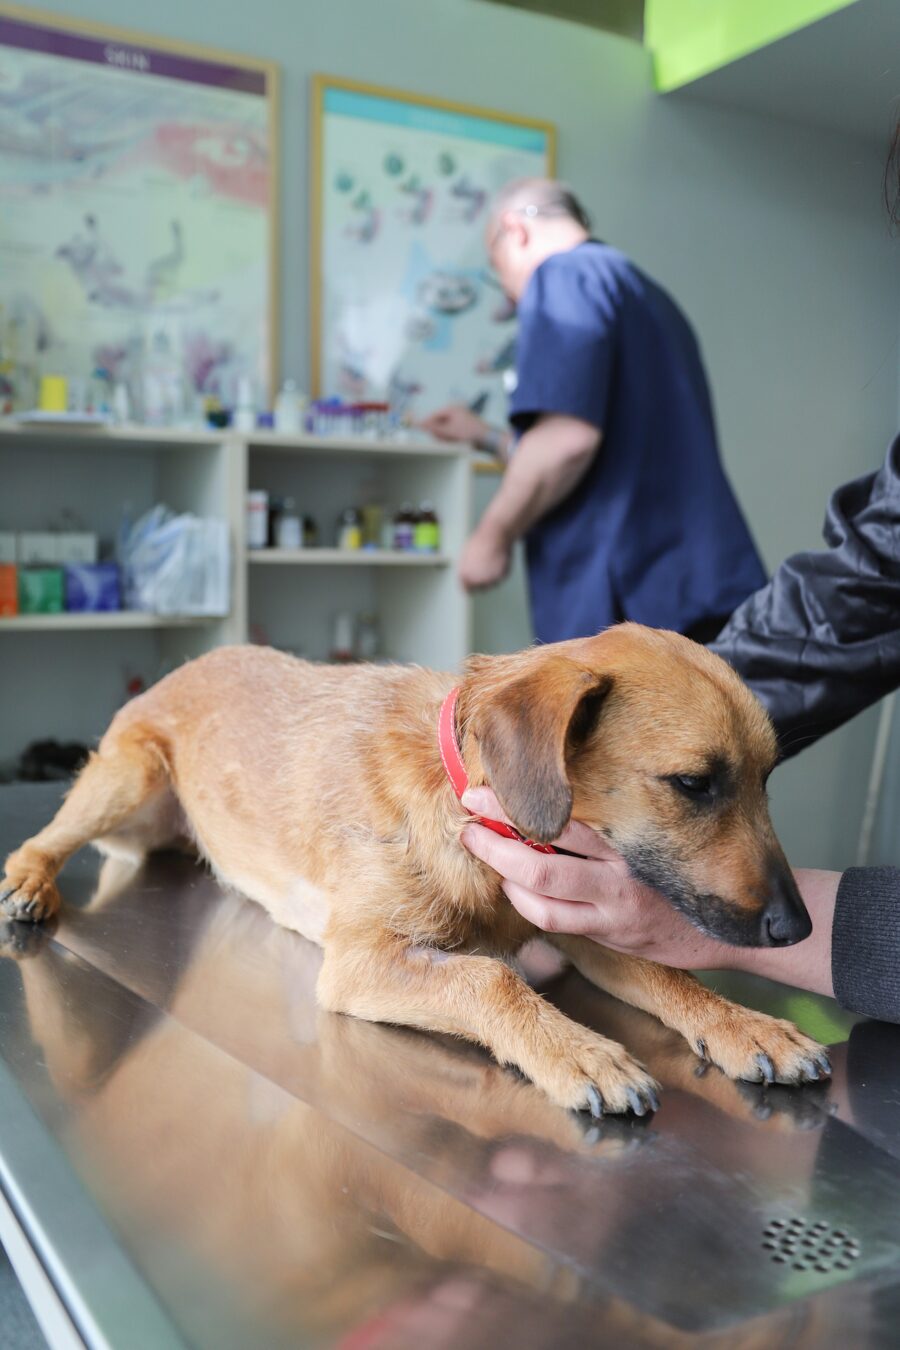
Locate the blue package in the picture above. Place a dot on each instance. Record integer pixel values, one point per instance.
(92, 587)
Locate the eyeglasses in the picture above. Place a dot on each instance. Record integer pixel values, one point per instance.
(530, 210)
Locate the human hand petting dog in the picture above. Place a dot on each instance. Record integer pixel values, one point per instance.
(595, 895)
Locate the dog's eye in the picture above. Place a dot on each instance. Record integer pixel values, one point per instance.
(692, 784)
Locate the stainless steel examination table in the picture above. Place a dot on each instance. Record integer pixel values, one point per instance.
(190, 1154)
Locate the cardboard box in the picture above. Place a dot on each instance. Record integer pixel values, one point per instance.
(9, 589)
(92, 587)
(7, 547)
(76, 547)
(40, 590)
(36, 548)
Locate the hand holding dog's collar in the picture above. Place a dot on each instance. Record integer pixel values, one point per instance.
(448, 744)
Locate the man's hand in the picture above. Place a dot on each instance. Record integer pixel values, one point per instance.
(593, 895)
(455, 423)
(485, 559)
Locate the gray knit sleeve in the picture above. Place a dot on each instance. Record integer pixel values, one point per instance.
(865, 942)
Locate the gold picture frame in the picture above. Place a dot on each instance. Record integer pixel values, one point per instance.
(538, 136)
(135, 47)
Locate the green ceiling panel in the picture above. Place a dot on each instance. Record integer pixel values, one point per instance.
(690, 38)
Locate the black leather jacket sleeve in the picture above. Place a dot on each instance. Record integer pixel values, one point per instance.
(821, 641)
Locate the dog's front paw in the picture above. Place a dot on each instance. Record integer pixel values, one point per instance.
(760, 1049)
(21, 941)
(27, 895)
(599, 1076)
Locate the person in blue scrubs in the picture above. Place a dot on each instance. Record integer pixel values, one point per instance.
(613, 473)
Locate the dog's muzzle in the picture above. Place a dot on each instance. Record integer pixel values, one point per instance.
(785, 919)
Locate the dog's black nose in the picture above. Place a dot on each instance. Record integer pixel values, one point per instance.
(784, 920)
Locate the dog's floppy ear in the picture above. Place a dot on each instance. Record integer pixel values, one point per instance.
(526, 729)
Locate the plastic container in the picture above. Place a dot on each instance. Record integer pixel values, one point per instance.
(350, 535)
(372, 524)
(40, 590)
(257, 518)
(244, 419)
(342, 647)
(290, 410)
(9, 589)
(92, 588)
(289, 528)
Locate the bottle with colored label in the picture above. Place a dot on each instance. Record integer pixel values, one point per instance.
(404, 528)
(427, 532)
(350, 535)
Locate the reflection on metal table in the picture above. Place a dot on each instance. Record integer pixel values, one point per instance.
(191, 1153)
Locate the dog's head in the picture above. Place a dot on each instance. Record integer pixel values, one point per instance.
(658, 745)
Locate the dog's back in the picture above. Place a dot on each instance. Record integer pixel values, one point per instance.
(274, 761)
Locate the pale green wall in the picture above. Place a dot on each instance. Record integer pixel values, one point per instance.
(771, 236)
(690, 38)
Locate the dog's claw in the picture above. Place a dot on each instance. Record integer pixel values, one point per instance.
(636, 1102)
(596, 1102)
(811, 1070)
(4, 895)
(652, 1099)
(593, 1135)
(766, 1068)
(701, 1049)
(824, 1064)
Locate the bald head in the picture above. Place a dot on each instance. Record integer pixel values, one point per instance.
(530, 220)
(540, 198)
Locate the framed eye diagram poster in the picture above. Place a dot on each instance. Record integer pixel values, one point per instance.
(404, 307)
(138, 191)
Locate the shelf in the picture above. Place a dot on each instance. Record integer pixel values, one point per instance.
(108, 438)
(354, 445)
(168, 438)
(113, 619)
(343, 557)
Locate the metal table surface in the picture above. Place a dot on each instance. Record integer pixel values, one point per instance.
(191, 1153)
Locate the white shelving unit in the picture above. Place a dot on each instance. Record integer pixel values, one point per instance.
(114, 620)
(337, 557)
(63, 675)
(293, 595)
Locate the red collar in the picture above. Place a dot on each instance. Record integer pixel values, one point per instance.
(459, 779)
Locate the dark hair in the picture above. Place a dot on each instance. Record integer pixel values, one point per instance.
(569, 205)
(892, 179)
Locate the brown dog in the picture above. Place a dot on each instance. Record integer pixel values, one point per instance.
(321, 793)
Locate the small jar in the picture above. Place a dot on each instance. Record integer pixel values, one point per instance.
(404, 528)
(427, 530)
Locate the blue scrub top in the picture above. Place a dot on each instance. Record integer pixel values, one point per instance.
(652, 532)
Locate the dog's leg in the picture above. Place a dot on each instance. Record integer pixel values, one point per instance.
(109, 789)
(480, 998)
(743, 1043)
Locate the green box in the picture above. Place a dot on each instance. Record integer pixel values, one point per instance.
(40, 590)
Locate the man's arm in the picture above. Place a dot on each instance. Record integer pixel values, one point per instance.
(459, 423)
(550, 460)
(821, 641)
